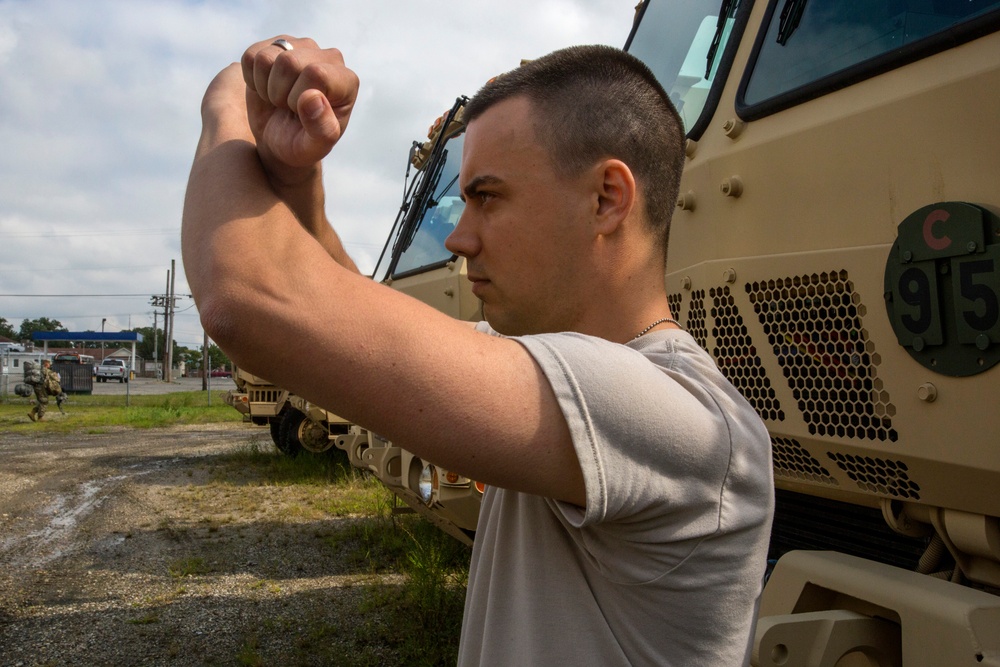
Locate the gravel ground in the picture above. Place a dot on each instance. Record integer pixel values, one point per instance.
(124, 548)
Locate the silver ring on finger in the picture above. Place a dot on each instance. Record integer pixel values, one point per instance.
(283, 43)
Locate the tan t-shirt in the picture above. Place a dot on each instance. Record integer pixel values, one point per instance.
(664, 565)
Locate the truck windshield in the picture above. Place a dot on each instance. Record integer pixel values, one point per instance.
(682, 41)
(439, 218)
(807, 42)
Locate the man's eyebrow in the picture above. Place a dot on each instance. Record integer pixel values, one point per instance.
(473, 186)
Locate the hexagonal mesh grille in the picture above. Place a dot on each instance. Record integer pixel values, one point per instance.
(792, 460)
(878, 475)
(737, 357)
(674, 301)
(813, 324)
(696, 318)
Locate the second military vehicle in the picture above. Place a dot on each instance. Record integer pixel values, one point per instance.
(415, 262)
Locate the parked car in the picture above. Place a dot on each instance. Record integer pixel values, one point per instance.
(112, 369)
(220, 373)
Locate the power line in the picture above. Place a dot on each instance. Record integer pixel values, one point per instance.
(111, 232)
(89, 296)
(27, 269)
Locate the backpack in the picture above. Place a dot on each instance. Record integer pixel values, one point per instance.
(52, 386)
(32, 375)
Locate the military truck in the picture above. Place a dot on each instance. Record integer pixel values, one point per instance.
(295, 424)
(836, 248)
(415, 262)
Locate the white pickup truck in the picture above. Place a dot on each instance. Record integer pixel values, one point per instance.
(112, 369)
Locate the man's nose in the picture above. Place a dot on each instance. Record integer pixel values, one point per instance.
(463, 240)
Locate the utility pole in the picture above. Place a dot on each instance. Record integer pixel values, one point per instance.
(206, 364)
(165, 302)
(166, 323)
(155, 360)
(172, 308)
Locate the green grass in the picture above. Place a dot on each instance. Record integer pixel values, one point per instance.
(419, 621)
(95, 414)
(187, 567)
(145, 619)
(422, 619)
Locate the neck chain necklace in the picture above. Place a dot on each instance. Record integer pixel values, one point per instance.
(657, 322)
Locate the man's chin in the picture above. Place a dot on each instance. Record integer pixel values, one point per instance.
(504, 323)
(497, 322)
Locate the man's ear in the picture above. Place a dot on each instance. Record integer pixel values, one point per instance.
(616, 195)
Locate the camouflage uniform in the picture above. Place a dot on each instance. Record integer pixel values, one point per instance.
(43, 385)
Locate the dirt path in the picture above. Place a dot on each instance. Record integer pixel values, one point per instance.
(124, 548)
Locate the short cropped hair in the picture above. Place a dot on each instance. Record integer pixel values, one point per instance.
(598, 102)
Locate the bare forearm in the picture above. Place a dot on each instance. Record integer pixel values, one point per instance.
(225, 197)
(307, 200)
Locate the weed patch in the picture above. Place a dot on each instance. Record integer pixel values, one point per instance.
(186, 567)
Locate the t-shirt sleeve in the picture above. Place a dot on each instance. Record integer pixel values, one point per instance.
(650, 439)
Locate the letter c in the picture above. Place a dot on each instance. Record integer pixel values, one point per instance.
(933, 242)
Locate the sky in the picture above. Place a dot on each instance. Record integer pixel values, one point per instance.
(99, 117)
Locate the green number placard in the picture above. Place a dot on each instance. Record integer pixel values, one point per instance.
(942, 287)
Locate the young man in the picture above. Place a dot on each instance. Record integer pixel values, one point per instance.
(629, 501)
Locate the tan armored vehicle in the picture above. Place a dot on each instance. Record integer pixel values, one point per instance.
(416, 262)
(836, 248)
(294, 423)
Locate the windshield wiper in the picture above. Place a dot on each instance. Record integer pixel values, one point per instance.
(791, 14)
(432, 170)
(425, 203)
(725, 11)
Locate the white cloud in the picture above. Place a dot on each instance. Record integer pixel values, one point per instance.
(99, 115)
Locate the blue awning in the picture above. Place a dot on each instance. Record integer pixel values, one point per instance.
(88, 336)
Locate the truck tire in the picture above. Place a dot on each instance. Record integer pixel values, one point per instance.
(314, 437)
(120, 380)
(288, 441)
(300, 434)
(275, 427)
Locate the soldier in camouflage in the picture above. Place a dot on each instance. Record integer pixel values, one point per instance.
(44, 382)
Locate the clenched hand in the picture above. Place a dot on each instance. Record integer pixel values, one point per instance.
(298, 104)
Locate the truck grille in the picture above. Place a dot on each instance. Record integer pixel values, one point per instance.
(877, 475)
(810, 522)
(813, 328)
(737, 357)
(813, 324)
(264, 395)
(793, 461)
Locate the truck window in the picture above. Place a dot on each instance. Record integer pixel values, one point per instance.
(439, 218)
(811, 47)
(682, 41)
